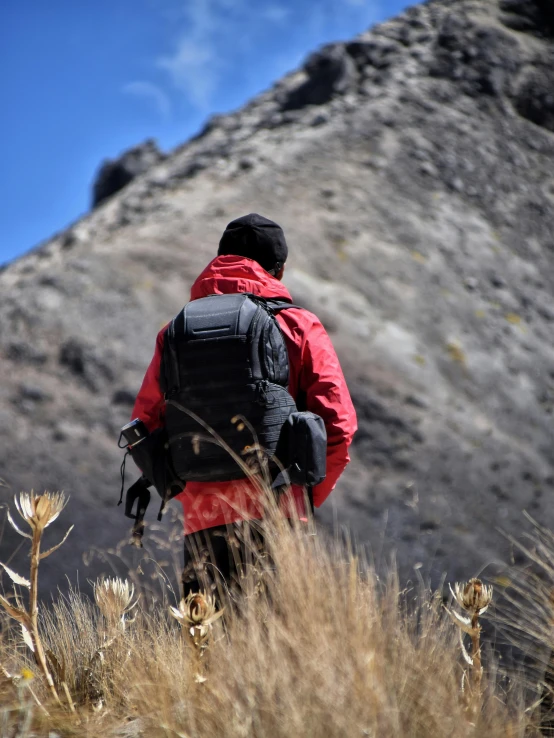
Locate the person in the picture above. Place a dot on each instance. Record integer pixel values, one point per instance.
(222, 517)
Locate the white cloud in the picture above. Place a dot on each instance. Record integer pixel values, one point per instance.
(152, 93)
(213, 39)
(196, 63)
(193, 69)
(277, 14)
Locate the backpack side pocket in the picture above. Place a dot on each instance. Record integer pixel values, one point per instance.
(152, 457)
(302, 448)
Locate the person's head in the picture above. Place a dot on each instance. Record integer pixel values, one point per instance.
(257, 238)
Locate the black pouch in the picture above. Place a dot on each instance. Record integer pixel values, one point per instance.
(152, 457)
(302, 448)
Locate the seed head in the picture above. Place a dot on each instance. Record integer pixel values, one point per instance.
(473, 596)
(114, 597)
(38, 511)
(198, 612)
(197, 608)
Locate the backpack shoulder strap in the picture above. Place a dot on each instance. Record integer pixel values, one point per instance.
(276, 305)
(169, 374)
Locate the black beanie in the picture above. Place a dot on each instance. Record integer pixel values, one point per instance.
(257, 238)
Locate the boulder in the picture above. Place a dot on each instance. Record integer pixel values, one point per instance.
(533, 16)
(115, 174)
(534, 97)
(480, 59)
(329, 71)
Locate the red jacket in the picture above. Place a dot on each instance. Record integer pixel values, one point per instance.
(314, 369)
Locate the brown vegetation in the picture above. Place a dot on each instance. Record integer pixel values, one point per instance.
(315, 644)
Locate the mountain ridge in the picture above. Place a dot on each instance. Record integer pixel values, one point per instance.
(411, 171)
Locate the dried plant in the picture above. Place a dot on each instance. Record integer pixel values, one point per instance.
(473, 597)
(38, 511)
(197, 613)
(114, 598)
(326, 648)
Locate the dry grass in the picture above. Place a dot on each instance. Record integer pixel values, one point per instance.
(316, 645)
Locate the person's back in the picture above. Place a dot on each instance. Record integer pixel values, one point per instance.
(251, 259)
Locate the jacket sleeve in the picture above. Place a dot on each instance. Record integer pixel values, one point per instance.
(322, 381)
(150, 404)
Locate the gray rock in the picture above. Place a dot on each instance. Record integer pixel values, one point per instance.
(535, 16)
(377, 53)
(115, 174)
(419, 216)
(427, 167)
(330, 71)
(319, 120)
(33, 393)
(124, 397)
(534, 96)
(85, 362)
(480, 59)
(24, 352)
(497, 281)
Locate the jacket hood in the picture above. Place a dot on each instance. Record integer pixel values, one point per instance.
(230, 274)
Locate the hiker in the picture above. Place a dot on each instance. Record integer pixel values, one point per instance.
(200, 361)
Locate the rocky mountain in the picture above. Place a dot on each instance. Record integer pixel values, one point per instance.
(412, 169)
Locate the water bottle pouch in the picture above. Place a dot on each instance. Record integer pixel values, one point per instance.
(302, 448)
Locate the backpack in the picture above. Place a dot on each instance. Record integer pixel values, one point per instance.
(224, 375)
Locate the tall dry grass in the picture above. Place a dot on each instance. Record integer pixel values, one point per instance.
(314, 645)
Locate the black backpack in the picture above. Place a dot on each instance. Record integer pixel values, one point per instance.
(224, 375)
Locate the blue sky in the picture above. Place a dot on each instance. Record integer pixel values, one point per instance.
(82, 81)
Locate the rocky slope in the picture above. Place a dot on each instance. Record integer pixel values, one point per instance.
(413, 172)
